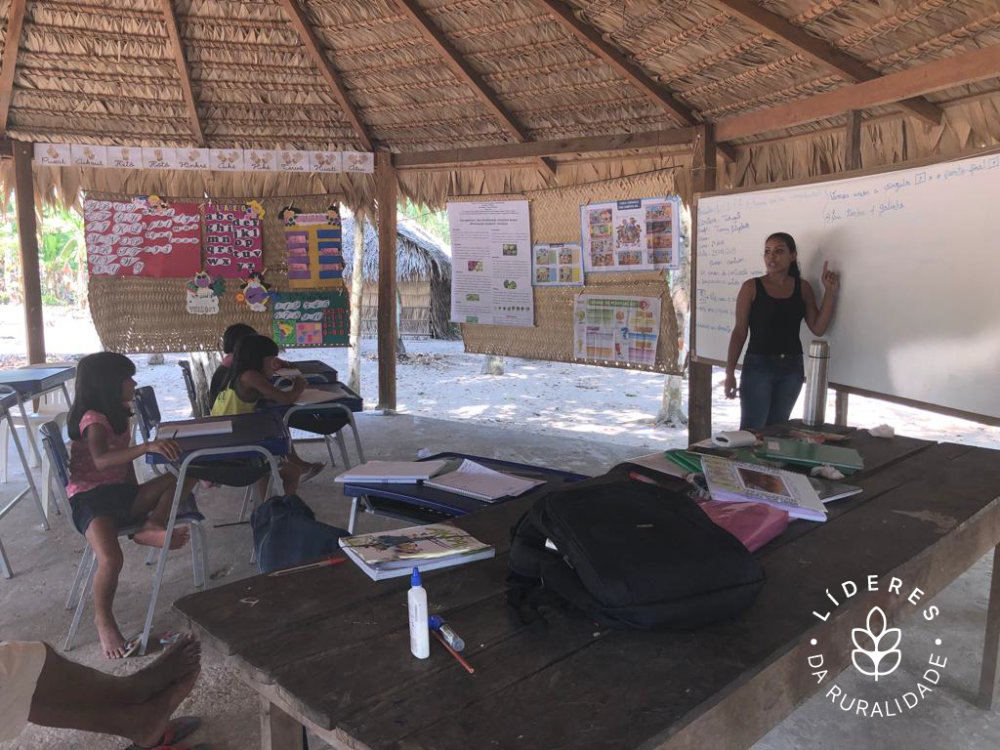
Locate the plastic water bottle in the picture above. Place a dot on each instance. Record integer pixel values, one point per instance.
(416, 602)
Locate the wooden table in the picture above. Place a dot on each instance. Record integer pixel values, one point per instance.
(328, 649)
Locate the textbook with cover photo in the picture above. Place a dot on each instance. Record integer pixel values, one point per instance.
(394, 553)
(738, 482)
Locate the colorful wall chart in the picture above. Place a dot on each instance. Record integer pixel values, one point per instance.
(616, 329)
(143, 237)
(234, 243)
(631, 235)
(313, 242)
(311, 318)
(557, 265)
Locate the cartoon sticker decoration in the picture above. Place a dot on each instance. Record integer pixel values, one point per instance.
(203, 293)
(254, 292)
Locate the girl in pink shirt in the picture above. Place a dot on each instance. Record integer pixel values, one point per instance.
(103, 490)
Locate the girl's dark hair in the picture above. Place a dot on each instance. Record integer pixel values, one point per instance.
(99, 380)
(249, 356)
(233, 334)
(793, 268)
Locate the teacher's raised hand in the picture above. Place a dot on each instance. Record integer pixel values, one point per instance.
(831, 279)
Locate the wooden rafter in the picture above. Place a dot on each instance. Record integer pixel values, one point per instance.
(819, 51)
(968, 67)
(463, 70)
(14, 24)
(167, 8)
(316, 50)
(591, 39)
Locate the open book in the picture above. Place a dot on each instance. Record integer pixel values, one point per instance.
(738, 482)
(477, 481)
(175, 431)
(391, 472)
(395, 553)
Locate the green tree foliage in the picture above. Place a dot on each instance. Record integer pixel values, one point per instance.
(434, 222)
(62, 258)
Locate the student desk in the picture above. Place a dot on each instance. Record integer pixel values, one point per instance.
(8, 398)
(419, 504)
(30, 382)
(315, 371)
(329, 649)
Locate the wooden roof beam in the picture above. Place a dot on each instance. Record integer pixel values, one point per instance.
(587, 144)
(316, 50)
(463, 70)
(15, 21)
(968, 67)
(591, 39)
(167, 8)
(821, 52)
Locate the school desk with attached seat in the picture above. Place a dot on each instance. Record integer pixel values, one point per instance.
(328, 649)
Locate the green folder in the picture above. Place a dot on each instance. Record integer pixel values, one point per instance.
(811, 454)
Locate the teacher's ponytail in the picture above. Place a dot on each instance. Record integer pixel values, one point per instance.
(793, 268)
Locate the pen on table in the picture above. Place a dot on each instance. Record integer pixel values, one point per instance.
(309, 566)
(453, 652)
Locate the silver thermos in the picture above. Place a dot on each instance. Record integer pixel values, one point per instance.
(817, 370)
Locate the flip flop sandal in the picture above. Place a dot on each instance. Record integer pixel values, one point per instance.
(132, 646)
(178, 729)
(313, 471)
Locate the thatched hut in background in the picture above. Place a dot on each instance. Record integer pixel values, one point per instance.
(423, 278)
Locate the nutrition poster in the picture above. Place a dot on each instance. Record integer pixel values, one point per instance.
(311, 318)
(491, 263)
(234, 243)
(143, 237)
(557, 265)
(616, 329)
(315, 254)
(631, 235)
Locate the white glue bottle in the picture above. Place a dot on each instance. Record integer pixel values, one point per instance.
(416, 602)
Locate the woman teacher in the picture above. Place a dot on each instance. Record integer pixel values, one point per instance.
(772, 308)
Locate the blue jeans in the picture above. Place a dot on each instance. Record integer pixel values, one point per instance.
(769, 388)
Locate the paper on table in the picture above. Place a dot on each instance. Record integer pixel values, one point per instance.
(478, 481)
(197, 429)
(318, 396)
(401, 472)
(288, 372)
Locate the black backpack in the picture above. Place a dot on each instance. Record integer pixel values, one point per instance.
(629, 555)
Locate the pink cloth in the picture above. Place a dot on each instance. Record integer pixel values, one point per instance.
(83, 475)
(754, 524)
(227, 361)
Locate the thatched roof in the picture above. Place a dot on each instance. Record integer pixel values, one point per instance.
(419, 256)
(105, 71)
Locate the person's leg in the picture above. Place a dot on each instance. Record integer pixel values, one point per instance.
(785, 390)
(102, 534)
(66, 683)
(153, 502)
(755, 392)
(290, 475)
(142, 723)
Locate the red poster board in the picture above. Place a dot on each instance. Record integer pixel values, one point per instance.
(142, 237)
(234, 243)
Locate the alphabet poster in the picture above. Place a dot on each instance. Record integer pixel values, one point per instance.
(143, 237)
(311, 318)
(234, 244)
(631, 235)
(313, 242)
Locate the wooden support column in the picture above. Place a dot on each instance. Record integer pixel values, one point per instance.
(278, 730)
(27, 231)
(385, 187)
(852, 141)
(703, 171)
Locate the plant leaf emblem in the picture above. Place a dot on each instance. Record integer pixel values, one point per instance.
(876, 653)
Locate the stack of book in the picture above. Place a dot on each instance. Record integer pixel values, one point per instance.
(395, 553)
(740, 482)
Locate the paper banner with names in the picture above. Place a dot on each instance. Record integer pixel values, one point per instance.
(234, 244)
(631, 235)
(616, 329)
(315, 256)
(491, 263)
(557, 264)
(311, 318)
(142, 237)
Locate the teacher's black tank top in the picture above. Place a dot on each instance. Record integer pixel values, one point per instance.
(775, 323)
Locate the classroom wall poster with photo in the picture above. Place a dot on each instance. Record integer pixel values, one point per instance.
(616, 329)
(145, 236)
(491, 263)
(311, 318)
(557, 264)
(631, 235)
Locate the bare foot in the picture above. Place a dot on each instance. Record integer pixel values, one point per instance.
(181, 658)
(149, 720)
(153, 536)
(112, 640)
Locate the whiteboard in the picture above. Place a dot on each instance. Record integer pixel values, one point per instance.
(918, 250)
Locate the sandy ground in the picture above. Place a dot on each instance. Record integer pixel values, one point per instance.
(440, 380)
